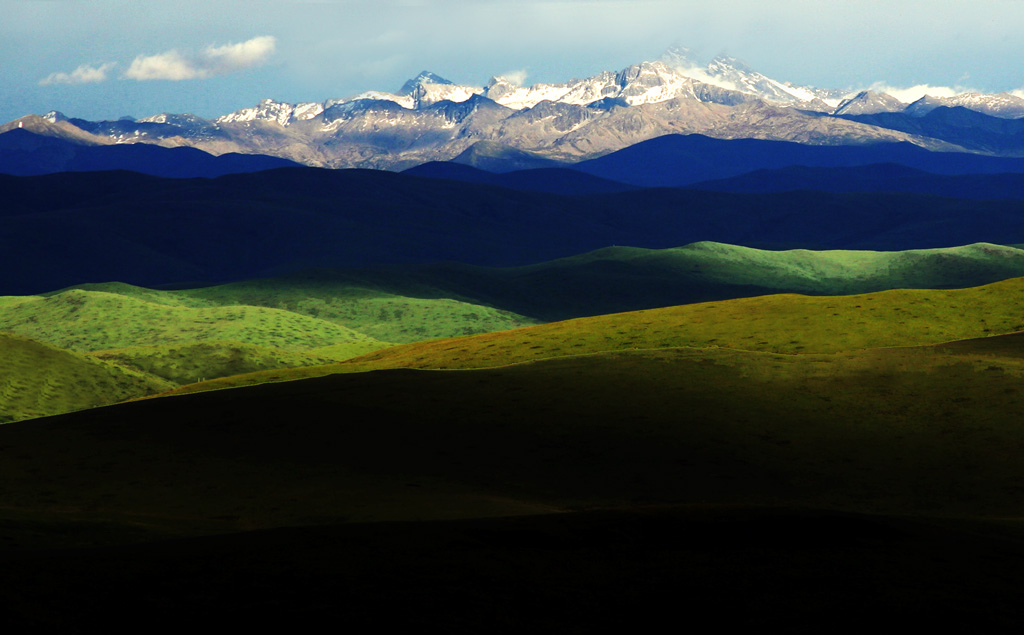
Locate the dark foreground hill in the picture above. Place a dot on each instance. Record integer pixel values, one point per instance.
(769, 489)
(632, 466)
(66, 229)
(783, 569)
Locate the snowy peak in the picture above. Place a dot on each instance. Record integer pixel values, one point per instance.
(186, 120)
(645, 83)
(425, 77)
(733, 74)
(652, 82)
(868, 102)
(269, 110)
(738, 75)
(511, 95)
(54, 116)
(1002, 105)
(428, 94)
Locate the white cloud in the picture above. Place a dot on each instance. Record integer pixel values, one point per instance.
(1018, 93)
(171, 65)
(516, 77)
(211, 61)
(84, 74)
(913, 93)
(235, 57)
(701, 75)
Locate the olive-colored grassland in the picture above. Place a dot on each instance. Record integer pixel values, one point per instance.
(784, 324)
(323, 316)
(772, 459)
(894, 402)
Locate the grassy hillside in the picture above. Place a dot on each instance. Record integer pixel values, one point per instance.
(168, 340)
(842, 272)
(406, 304)
(635, 458)
(897, 430)
(186, 363)
(38, 380)
(389, 315)
(778, 323)
(404, 312)
(783, 324)
(92, 320)
(620, 279)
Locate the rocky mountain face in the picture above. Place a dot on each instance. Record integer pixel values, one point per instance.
(433, 119)
(869, 102)
(1002, 105)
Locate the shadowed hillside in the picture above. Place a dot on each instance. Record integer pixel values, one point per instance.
(58, 231)
(619, 279)
(901, 430)
(880, 472)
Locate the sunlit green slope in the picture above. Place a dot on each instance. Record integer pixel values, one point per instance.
(776, 324)
(386, 315)
(37, 380)
(83, 320)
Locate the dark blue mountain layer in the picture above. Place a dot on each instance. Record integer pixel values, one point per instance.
(683, 160)
(550, 180)
(967, 128)
(24, 153)
(881, 177)
(65, 229)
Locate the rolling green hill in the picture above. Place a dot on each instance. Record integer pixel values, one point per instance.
(407, 304)
(186, 363)
(892, 430)
(321, 317)
(92, 320)
(619, 279)
(166, 340)
(786, 324)
(37, 380)
(403, 313)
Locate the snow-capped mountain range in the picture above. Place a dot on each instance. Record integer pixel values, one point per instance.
(675, 75)
(432, 118)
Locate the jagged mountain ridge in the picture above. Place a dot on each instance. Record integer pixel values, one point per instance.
(433, 119)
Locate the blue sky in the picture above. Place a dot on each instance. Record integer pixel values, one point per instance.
(101, 59)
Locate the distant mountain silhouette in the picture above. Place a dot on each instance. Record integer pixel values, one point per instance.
(550, 180)
(879, 177)
(964, 127)
(65, 229)
(682, 160)
(24, 153)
